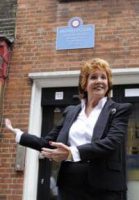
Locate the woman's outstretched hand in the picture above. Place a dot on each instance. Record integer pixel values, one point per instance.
(60, 153)
(9, 126)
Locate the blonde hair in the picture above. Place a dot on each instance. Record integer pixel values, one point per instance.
(91, 66)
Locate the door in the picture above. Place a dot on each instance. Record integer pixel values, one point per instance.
(54, 101)
(130, 93)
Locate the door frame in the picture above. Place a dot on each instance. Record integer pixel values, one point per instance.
(56, 79)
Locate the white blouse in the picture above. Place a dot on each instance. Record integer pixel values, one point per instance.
(81, 131)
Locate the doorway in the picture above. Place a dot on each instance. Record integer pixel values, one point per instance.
(54, 101)
(130, 93)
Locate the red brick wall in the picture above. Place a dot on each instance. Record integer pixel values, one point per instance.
(116, 40)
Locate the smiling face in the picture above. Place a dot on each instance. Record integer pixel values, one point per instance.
(97, 84)
(95, 78)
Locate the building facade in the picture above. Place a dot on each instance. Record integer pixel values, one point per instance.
(37, 69)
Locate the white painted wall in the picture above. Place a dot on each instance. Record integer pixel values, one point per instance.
(133, 190)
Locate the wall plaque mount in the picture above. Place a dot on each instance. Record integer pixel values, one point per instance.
(76, 35)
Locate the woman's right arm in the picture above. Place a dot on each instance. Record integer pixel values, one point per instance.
(32, 141)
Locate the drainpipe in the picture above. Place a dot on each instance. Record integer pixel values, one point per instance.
(5, 52)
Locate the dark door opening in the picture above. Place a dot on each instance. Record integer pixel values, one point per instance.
(120, 95)
(54, 101)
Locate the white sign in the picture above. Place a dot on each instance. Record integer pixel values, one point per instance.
(132, 92)
(59, 95)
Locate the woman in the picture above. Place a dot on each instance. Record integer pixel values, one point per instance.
(89, 141)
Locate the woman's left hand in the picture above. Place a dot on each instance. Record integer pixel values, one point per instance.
(58, 154)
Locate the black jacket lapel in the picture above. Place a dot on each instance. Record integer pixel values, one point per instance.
(70, 118)
(102, 120)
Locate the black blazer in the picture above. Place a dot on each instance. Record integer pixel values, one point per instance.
(106, 152)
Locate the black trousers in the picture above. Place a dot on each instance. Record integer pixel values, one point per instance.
(70, 194)
(73, 185)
